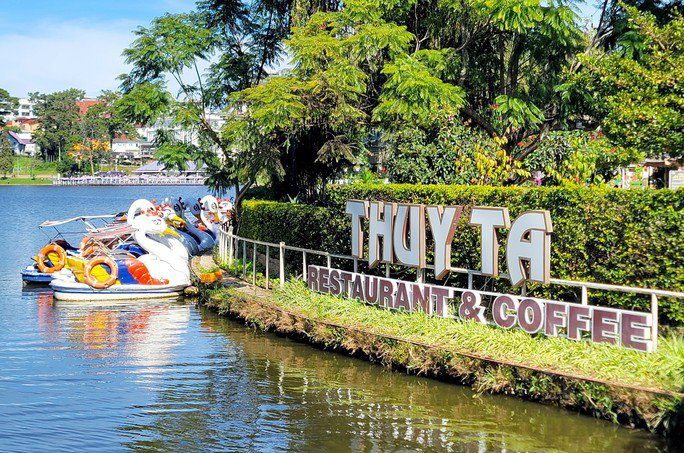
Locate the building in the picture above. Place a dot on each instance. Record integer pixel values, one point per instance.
(29, 125)
(85, 104)
(24, 110)
(149, 133)
(22, 143)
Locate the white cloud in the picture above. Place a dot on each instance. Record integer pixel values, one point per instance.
(66, 55)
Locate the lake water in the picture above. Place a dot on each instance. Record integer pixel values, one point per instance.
(160, 376)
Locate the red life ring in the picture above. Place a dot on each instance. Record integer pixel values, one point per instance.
(94, 282)
(43, 255)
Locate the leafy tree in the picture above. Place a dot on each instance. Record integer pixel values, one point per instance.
(6, 155)
(638, 97)
(238, 41)
(109, 113)
(7, 105)
(68, 165)
(392, 66)
(59, 116)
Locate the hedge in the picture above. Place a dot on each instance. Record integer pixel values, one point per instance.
(625, 237)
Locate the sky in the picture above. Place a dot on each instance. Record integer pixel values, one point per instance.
(53, 45)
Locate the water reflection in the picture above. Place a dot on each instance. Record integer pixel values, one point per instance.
(264, 392)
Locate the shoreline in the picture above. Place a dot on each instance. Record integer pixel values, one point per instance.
(626, 404)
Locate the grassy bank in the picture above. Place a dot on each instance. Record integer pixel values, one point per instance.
(605, 381)
(25, 181)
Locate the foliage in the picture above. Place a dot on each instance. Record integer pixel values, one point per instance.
(574, 157)
(58, 116)
(6, 155)
(627, 237)
(637, 90)
(91, 150)
(238, 41)
(265, 220)
(453, 153)
(395, 66)
(7, 105)
(68, 166)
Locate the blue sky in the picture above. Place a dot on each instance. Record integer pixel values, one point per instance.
(51, 45)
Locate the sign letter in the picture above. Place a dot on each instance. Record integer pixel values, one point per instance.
(488, 219)
(529, 239)
(443, 225)
(358, 210)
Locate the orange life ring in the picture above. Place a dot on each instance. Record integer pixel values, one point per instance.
(91, 250)
(94, 282)
(43, 255)
(84, 243)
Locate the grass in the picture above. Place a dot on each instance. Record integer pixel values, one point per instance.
(663, 369)
(24, 181)
(22, 165)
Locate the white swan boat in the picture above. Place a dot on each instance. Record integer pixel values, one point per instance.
(162, 272)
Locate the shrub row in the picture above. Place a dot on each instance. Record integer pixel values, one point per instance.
(625, 237)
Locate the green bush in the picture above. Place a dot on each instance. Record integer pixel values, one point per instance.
(294, 224)
(624, 237)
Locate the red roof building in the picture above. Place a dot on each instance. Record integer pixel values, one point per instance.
(85, 104)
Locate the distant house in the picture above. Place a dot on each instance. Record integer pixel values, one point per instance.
(22, 143)
(29, 125)
(126, 149)
(85, 104)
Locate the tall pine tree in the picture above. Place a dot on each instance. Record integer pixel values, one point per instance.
(6, 155)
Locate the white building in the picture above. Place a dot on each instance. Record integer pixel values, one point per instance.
(149, 133)
(24, 110)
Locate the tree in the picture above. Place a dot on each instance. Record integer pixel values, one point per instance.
(59, 116)
(238, 41)
(391, 66)
(6, 155)
(7, 105)
(636, 91)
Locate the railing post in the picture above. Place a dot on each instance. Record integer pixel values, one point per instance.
(585, 295)
(222, 245)
(244, 258)
(268, 250)
(303, 265)
(282, 264)
(523, 289)
(254, 263)
(356, 265)
(387, 270)
(470, 280)
(329, 260)
(654, 315)
(230, 246)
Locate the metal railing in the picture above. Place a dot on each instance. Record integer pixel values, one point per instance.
(229, 251)
(129, 180)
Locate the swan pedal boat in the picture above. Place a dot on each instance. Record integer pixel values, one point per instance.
(160, 273)
(66, 232)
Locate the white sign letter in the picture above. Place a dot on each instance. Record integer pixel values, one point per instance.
(380, 227)
(488, 219)
(410, 252)
(358, 210)
(529, 239)
(443, 222)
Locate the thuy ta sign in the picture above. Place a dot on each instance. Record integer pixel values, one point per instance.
(397, 234)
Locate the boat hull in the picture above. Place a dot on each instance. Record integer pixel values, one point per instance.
(32, 275)
(67, 290)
